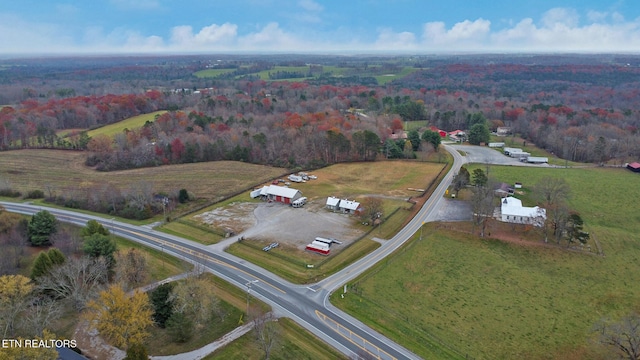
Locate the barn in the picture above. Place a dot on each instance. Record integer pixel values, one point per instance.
(282, 194)
(634, 166)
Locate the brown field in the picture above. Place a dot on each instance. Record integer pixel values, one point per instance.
(27, 170)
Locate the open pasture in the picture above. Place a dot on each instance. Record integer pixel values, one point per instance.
(27, 170)
(453, 295)
(131, 123)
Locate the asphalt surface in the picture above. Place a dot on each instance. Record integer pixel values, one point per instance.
(307, 305)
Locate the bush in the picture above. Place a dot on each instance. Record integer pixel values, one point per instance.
(35, 194)
(6, 192)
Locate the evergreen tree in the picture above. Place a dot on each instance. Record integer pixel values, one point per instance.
(42, 225)
(41, 265)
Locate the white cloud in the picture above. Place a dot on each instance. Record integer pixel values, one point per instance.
(388, 39)
(558, 30)
(310, 5)
(466, 33)
(560, 18)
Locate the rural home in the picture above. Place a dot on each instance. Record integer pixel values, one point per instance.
(348, 206)
(332, 203)
(503, 131)
(634, 166)
(343, 205)
(512, 211)
(278, 193)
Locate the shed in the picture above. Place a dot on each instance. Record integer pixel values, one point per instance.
(634, 166)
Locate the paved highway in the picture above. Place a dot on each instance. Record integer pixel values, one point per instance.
(308, 305)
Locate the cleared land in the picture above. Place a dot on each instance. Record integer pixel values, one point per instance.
(452, 295)
(27, 170)
(130, 123)
(261, 223)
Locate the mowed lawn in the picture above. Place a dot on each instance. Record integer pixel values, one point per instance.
(131, 123)
(452, 295)
(27, 170)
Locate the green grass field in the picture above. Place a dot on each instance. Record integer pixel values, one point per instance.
(130, 123)
(452, 295)
(212, 73)
(294, 343)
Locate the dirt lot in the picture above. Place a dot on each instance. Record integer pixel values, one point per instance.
(283, 223)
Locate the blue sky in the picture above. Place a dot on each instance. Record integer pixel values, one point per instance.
(315, 26)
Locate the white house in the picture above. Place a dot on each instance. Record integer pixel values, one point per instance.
(512, 211)
(332, 203)
(348, 206)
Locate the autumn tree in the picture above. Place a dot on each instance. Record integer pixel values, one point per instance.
(42, 312)
(42, 225)
(31, 352)
(15, 294)
(121, 318)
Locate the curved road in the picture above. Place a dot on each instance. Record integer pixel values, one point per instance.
(307, 305)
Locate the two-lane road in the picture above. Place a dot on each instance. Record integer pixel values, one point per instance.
(307, 305)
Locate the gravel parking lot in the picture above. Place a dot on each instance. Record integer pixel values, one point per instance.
(284, 224)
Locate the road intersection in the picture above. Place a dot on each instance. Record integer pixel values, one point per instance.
(308, 305)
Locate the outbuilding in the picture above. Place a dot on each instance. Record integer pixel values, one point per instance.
(634, 166)
(348, 206)
(332, 203)
(537, 160)
(282, 194)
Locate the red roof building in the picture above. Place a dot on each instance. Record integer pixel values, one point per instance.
(634, 166)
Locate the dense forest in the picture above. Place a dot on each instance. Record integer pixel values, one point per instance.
(582, 108)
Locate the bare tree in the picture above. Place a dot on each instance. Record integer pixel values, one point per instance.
(131, 268)
(77, 280)
(42, 312)
(267, 332)
(622, 337)
(482, 205)
(553, 194)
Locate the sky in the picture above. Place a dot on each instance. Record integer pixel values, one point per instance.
(318, 27)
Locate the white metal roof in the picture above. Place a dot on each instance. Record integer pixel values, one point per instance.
(332, 201)
(349, 205)
(512, 206)
(282, 191)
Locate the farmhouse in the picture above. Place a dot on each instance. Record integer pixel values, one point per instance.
(512, 211)
(343, 205)
(634, 166)
(332, 203)
(503, 131)
(277, 193)
(348, 206)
